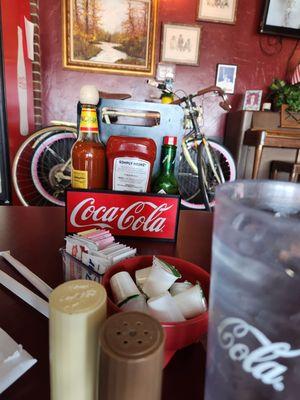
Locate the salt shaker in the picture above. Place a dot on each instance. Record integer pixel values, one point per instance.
(77, 310)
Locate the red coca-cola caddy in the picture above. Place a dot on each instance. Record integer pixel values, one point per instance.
(123, 213)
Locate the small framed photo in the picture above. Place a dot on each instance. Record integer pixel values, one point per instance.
(252, 100)
(223, 11)
(165, 71)
(226, 75)
(180, 43)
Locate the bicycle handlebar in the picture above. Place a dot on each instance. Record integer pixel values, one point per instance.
(224, 104)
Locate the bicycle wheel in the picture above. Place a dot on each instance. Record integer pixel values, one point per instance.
(51, 167)
(188, 179)
(34, 170)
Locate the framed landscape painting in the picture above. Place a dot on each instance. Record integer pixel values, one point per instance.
(115, 36)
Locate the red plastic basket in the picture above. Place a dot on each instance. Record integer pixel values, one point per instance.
(178, 334)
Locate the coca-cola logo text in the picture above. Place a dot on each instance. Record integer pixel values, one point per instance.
(138, 217)
(266, 361)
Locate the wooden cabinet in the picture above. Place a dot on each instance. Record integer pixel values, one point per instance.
(250, 128)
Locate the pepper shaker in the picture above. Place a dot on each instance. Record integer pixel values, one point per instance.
(131, 357)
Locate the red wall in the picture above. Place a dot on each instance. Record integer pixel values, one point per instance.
(221, 43)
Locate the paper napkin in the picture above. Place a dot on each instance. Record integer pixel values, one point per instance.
(14, 361)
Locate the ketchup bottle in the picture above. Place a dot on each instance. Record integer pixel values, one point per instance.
(130, 163)
(88, 152)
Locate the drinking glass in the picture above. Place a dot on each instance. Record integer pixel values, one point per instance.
(254, 310)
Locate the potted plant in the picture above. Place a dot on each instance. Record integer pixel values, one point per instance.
(286, 97)
(285, 93)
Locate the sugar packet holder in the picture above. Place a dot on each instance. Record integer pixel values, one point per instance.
(100, 260)
(75, 269)
(77, 244)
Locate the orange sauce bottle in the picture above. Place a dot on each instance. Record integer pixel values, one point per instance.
(88, 152)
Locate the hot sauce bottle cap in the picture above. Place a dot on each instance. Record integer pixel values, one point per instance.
(89, 95)
(170, 140)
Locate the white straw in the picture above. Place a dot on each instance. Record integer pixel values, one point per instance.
(25, 294)
(37, 282)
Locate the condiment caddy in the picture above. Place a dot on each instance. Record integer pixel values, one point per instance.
(97, 249)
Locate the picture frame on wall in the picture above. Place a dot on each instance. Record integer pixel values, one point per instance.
(281, 18)
(96, 38)
(181, 43)
(223, 11)
(252, 100)
(226, 76)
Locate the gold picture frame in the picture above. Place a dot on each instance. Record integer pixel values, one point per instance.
(222, 11)
(181, 43)
(110, 36)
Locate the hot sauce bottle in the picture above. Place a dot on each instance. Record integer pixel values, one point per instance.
(88, 152)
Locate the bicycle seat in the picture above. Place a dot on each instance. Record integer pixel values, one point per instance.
(117, 96)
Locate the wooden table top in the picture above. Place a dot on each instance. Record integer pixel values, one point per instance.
(34, 236)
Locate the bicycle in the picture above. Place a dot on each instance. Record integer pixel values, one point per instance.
(204, 163)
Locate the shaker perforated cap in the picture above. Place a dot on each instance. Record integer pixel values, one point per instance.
(89, 95)
(131, 335)
(170, 140)
(131, 357)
